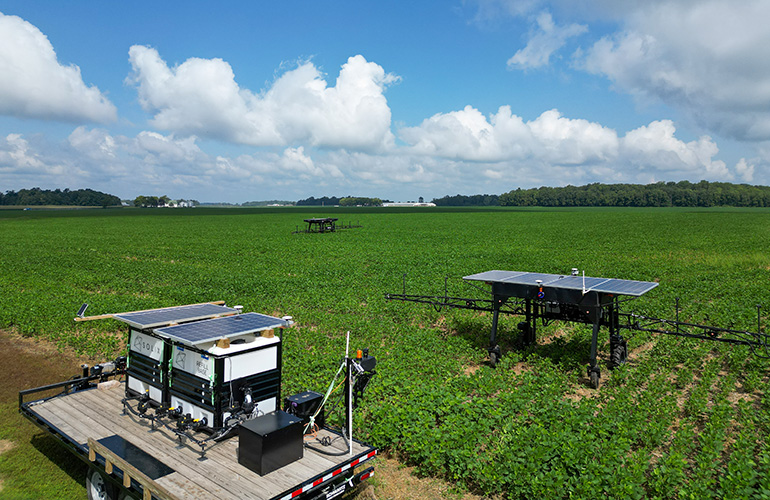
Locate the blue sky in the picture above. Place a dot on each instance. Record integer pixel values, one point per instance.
(399, 100)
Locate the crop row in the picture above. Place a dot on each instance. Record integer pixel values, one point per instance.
(682, 419)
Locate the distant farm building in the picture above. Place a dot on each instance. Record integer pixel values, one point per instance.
(408, 204)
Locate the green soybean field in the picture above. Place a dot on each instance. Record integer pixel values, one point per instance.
(683, 418)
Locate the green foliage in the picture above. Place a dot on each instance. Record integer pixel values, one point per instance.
(78, 197)
(476, 200)
(151, 201)
(345, 201)
(668, 194)
(351, 201)
(328, 201)
(683, 419)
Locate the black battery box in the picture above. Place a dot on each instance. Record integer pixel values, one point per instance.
(304, 405)
(270, 442)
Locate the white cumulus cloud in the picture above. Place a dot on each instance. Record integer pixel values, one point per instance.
(555, 149)
(201, 97)
(745, 170)
(97, 143)
(708, 58)
(15, 153)
(294, 161)
(548, 39)
(655, 148)
(567, 141)
(469, 135)
(33, 84)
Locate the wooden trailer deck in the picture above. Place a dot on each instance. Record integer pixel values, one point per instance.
(98, 413)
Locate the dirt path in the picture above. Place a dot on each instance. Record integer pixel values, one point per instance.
(26, 363)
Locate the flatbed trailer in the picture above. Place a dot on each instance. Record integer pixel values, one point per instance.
(131, 457)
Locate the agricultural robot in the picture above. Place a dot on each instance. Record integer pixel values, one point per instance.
(580, 299)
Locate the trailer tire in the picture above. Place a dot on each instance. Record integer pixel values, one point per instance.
(124, 495)
(97, 487)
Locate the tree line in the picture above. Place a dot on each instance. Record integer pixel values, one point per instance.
(661, 194)
(323, 201)
(345, 201)
(151, 201)
(78, 197)
(162, 201)
(476, 200)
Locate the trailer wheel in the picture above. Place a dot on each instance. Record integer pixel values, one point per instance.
(97, 487)
(124, 495)
(493, 359)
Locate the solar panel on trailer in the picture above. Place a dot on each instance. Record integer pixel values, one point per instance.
(199, 332)
(168, 315)
(603, 285)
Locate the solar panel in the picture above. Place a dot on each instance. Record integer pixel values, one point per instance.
(530, 278)
(568, 282)
(209, 330)
(629, 287)
(154, 318)
(493, 276)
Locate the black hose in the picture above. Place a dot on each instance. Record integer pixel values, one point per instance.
(330, 453)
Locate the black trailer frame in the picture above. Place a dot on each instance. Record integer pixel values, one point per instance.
(138, 449)
(120, 477)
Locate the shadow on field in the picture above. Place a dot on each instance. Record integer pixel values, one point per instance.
(568, 349)
(54, 451)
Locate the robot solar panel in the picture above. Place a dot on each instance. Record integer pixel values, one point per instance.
(209, 330)
(154, 318)
(587, 284)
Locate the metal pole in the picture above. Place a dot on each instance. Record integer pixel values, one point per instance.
(445, 290)
(530, 321)
(594, 342)
(677, 314)
(493, 334)
(349, 404)
(349, 395)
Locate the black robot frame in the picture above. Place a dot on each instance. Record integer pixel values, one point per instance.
(540, 303)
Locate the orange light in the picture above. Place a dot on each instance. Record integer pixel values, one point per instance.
(359, 354)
